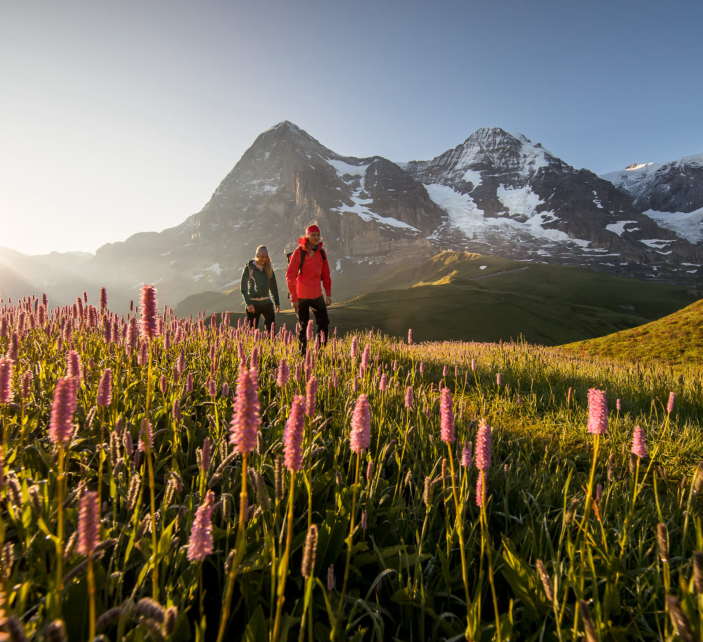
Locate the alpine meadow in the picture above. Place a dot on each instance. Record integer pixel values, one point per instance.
(174, 479)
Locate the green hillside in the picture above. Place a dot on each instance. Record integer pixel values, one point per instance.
(675, 339)
(457, 296)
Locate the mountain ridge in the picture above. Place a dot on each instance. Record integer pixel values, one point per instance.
(495, 193)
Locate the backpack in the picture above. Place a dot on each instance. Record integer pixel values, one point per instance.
(302, 257)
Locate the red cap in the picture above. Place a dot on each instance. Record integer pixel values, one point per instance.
(312, 228)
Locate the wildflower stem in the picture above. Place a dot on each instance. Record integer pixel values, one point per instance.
(489, 557)
(91, 596)
(335, 628)
(460, 531)
(150, 466)
(283, 570)
(589, 492)
(100, 458)
(239, 550)
(59, 535)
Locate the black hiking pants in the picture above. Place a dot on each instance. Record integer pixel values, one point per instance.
(264, 308)
(319, 307)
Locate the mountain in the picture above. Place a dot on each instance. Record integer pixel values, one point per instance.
(505, 195)
(470, 297)
(371, 212)
(496, 193)
(670, 193)
(675, 339)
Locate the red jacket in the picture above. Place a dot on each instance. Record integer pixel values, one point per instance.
(315, 270)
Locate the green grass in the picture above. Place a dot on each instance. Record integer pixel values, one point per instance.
(450, 297)
(675, 339)
(405, 579)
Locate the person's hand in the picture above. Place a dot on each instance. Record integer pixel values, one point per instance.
(250, 308)
(278, 309)
(328, 300)
(295, 305)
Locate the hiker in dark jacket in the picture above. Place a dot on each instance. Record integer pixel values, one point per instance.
(308, 270)
(258, 280)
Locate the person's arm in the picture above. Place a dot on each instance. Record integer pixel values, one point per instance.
(292, 275)
(273, 286)
(326, 278)
(244, 286)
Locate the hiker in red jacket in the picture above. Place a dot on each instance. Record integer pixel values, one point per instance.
(307, 269)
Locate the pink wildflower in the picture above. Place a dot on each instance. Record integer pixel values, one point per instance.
(670, 403)
(88, 523)
(26, 384)
(293, 435)
(245, 418)
(597, 412)
(484, 443)
(105, 388)
(311, 397)
(5, 380)
(618, 405)
(360, 437)
(466, 454)
(409, 397)
(200, 542)
(73, 364)
(206, 454)
(150, 314)
(62, 409)
(410, 337)
(354, 347)
(383, 385)
(639, 446)
(447, 417)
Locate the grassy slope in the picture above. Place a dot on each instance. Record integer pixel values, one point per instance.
(450, 297)
(677, 338)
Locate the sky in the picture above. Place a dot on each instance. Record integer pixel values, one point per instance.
(122, 117)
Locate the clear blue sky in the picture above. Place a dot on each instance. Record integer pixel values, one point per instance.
(123, 116)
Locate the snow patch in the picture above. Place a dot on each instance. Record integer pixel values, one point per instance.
(657, 244)
(339, 265)
(464, 214)
(483, 267)
(215, 267)
(343, 168)
(520, 201)
(688, 225)
(619, 227)
(472, 176)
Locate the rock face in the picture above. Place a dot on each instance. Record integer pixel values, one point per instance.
(671, 194)
(496, 193)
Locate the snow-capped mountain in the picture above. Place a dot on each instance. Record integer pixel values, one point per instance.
(496, 193)
(670, 193)
(505, 195)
